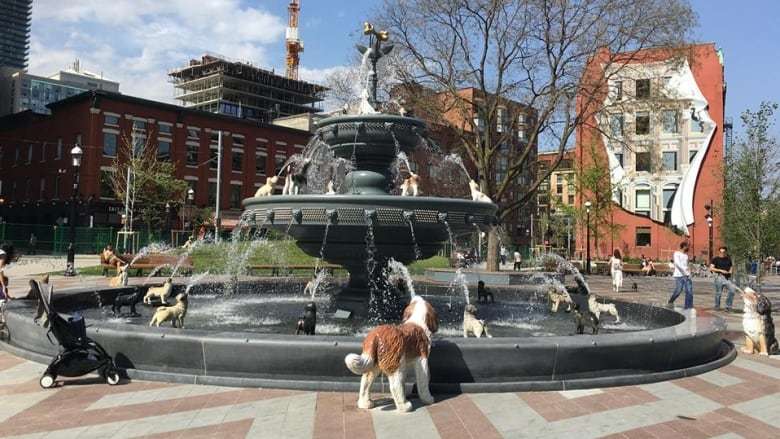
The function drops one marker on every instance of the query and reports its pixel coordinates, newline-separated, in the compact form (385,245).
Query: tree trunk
(492,250)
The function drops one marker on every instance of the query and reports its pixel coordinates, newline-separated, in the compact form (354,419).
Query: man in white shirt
(682,277)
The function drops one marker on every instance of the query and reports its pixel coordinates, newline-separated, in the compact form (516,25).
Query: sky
(136,42)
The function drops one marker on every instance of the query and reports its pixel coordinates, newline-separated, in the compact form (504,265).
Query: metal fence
(55,239)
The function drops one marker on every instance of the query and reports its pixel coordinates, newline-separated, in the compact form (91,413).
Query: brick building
(36,177)
(662,135)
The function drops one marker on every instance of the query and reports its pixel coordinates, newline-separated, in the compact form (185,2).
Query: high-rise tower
(15,16)
(293,44)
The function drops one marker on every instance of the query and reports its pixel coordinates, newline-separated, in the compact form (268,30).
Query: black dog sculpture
(634,286)
(308,323)
(585,318)
(484,293)
(129,299)
(764,309)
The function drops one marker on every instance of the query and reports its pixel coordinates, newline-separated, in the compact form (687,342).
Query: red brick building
(36,176)
(662,136)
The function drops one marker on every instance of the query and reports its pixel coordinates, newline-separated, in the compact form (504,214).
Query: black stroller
(79,355)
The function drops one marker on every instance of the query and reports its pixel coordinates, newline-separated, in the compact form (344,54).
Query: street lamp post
(76,153)
(190,199)
(708,217)
(168,220)
(587,234)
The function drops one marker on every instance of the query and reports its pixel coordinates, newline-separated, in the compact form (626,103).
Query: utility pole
(218,219)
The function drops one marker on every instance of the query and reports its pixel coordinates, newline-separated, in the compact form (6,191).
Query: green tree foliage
(751,202)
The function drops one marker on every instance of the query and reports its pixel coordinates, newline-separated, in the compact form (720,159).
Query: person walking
(502,253)
(723,268)
(518,260)
(33,243)
(682,277)
(616,270)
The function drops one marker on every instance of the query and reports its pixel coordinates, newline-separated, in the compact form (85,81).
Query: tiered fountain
(228,340)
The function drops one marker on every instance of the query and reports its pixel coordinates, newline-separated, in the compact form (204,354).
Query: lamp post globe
(587,236)
(76,155)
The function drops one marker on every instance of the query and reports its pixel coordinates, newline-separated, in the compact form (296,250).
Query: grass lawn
(215,258)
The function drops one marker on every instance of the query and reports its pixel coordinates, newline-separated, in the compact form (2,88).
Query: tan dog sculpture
(175,313)
(267,189)
(162,292)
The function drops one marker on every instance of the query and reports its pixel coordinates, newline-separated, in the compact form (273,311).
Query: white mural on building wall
(681,86)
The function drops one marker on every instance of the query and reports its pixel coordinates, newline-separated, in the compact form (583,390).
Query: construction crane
(292,42)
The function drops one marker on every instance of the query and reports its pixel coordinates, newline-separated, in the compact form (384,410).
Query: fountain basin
(687,344)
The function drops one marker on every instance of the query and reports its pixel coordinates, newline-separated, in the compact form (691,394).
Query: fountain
(239,330)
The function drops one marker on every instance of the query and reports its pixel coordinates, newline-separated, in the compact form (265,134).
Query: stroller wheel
(47,381)
(112,376)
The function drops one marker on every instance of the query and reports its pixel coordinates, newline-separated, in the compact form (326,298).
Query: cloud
(136,42)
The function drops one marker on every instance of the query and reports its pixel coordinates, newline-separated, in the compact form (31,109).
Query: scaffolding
(219,85)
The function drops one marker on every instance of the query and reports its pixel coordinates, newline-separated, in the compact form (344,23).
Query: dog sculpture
(634,287)
(585,318)
(296,177)
(410,186)
(130,299)
(330,189)
(162,292)
(484,293)
(311,287)
(473,325)
(757,324)
(175,313)
(597,308)
(120,280)
(389,349)
(476,194)
(267,189)
(558,296)
(307,324)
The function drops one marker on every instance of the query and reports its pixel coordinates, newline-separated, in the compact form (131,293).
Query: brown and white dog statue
(175,313)
(162,292)
(757,324)
(120,280)
(597,308)
(389,349)
(558,296)
(267,189)
(410,186)
(473,325)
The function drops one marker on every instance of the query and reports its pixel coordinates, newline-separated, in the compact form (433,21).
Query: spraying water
(398,269)
(455,159)
(318,280)
(365,106)
(459,281)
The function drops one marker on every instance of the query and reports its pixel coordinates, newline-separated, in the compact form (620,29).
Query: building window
(692,155)
(164,150)
(214,138)
(669,161)
(43,152)
(559,184)
(238,160)
(235,196)
(139,125)
(279,162)
(193,133)
(57,181)
(165,128)
(643,236)
(571,200)
(642,123)
(619,196)
(670,121)
(42,190)
(616,124)
(238,142)
(213,157)
(111,120)
(617,89)
(58,155)
(697,126)
(520,119)
(106,188)
(619,157)
(668,200)
(500,119)
(642,205)
(643,162)
(261,160)
(78,139)
(109,144)
(212,193)
(192,155)
(29,154)
(643,89)
(16,156)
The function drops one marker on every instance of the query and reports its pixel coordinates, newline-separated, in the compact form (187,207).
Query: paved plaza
(741,399)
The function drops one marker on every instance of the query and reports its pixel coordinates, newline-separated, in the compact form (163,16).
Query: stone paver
(741,400)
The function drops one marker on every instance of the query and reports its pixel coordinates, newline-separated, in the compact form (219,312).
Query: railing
(55,239)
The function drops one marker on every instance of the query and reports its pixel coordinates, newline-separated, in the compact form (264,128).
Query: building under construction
(218,85)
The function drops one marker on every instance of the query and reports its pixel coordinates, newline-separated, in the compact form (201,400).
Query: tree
(751,201)
(145,182)
(534,52)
